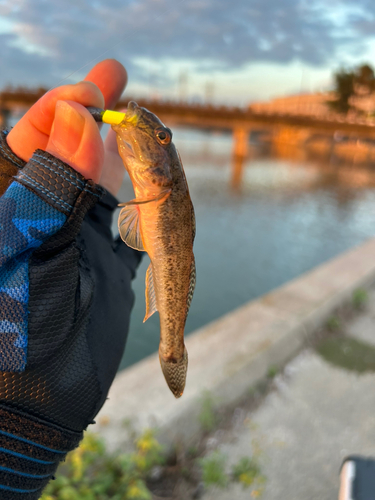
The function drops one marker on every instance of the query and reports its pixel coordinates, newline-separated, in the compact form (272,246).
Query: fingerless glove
(65,302)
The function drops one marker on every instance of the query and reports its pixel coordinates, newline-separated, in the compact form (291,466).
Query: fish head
(174,371)
(145,146)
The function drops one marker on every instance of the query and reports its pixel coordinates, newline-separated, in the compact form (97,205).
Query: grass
(213,470)
(333,323)
(247,472)
(360,298)
(207,416)
(90,473)
(272,371)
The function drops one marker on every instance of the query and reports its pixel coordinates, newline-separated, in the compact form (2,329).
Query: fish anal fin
(129,228)
(193,275)
(150,294)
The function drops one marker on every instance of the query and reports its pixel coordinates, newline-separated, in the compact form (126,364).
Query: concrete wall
(229,356)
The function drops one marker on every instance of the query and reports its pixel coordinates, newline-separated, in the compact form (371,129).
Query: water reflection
(289,216)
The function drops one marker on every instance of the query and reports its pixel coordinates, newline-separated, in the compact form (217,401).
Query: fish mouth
(131,116)
(127,148)
(132,107)
(132,113)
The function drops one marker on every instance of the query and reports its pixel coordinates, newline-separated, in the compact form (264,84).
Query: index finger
(33,129)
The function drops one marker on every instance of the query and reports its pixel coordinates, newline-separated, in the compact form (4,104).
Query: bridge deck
(206,116)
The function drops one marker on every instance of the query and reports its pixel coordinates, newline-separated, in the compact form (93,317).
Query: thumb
(75,139)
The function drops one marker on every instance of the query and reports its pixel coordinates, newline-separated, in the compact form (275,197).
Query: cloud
(48,42)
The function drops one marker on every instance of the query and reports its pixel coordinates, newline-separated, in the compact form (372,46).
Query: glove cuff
(30,451)
(57,183)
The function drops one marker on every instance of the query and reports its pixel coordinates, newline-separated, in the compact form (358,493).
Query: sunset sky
(235,51)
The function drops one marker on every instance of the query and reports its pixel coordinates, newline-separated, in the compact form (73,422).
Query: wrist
(30,451)
(57,183)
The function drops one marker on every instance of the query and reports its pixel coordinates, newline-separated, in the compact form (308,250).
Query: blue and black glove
(65,302)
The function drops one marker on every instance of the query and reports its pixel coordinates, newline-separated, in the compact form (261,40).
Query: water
(289,217)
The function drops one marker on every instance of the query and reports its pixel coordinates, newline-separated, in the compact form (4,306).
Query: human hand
(60,124)
(66,294)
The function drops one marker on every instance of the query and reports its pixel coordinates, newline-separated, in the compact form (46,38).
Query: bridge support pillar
(288,141)
(240,152)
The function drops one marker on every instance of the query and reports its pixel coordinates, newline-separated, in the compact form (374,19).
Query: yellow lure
(112,117)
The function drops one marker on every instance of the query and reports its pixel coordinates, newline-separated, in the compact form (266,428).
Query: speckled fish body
(160,220)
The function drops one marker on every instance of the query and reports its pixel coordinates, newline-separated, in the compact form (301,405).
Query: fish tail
(175,373)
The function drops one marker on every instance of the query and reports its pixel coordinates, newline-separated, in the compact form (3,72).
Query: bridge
(284,128)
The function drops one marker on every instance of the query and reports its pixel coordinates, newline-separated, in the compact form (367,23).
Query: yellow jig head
(106,115)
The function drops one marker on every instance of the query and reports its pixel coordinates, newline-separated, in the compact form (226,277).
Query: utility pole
(209,91)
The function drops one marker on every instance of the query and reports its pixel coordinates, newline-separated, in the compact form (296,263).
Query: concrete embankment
(231,355)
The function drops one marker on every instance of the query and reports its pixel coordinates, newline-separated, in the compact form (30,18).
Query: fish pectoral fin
(128,226)
(150,294)
(142,201)
(193,280)
(128,221)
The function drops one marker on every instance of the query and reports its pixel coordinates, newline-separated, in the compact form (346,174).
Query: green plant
(272,371)
(360,298)
(213,470)
(192,451)
(246,471)
(89,473)
(252,391)
(333,323)
(207,416)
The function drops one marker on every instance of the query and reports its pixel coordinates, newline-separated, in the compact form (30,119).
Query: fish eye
(163,135)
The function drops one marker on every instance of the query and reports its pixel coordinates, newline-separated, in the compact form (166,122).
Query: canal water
(290,216)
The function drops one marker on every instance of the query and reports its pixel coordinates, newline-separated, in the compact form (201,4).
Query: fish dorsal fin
(192,284)
(150,294)
(193,224)
(128,221)
(128,226)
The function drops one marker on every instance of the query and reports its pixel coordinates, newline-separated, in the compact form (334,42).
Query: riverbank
(228,357)
(320,411)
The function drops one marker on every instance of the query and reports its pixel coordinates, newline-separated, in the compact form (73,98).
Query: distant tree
(349,83)
(344,89)
(365,77)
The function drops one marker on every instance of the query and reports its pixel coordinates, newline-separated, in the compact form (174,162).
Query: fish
(160,220)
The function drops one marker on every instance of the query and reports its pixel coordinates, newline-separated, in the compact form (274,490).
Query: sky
(225,51)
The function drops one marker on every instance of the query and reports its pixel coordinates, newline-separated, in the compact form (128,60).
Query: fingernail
(67,129)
